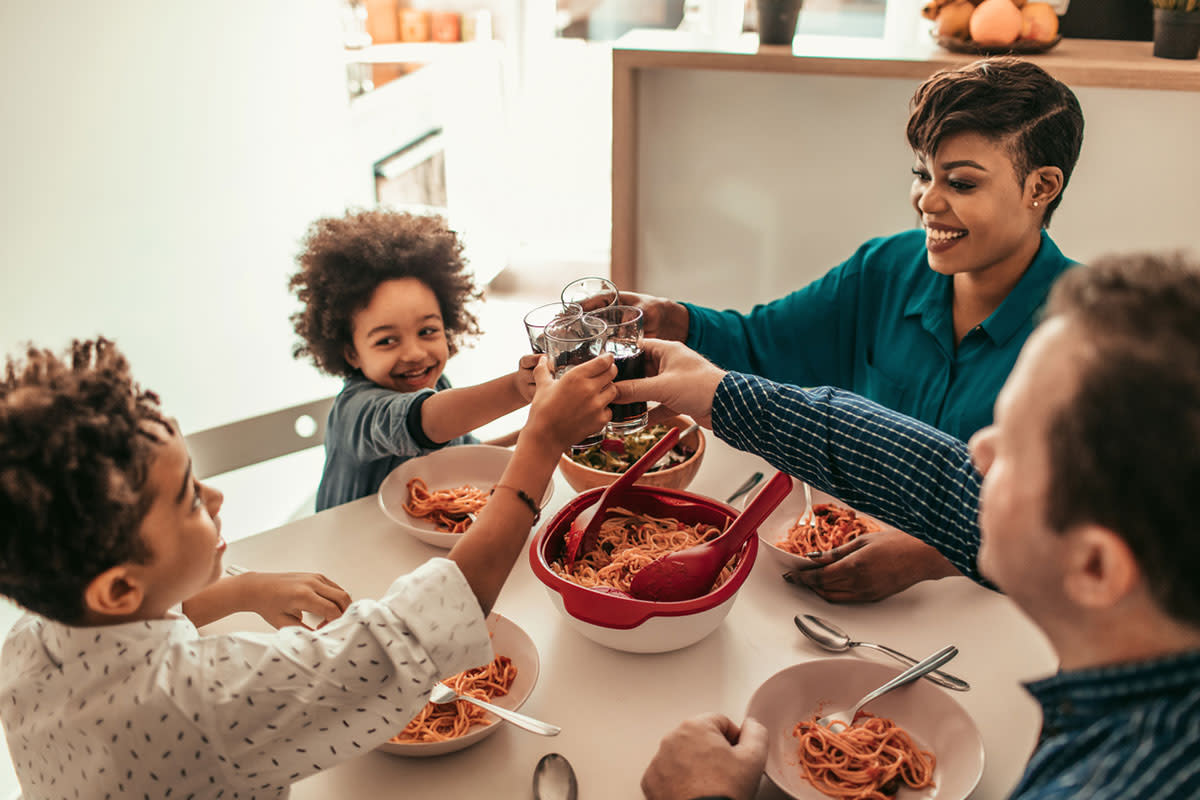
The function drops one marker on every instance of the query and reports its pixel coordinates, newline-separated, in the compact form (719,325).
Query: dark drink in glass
(549,314)
(624,341)
(631,363)
(570,342)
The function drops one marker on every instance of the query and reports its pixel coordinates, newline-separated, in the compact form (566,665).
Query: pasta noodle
(868,761)
(447,508)
(437,723)
(628,541)
(828,527)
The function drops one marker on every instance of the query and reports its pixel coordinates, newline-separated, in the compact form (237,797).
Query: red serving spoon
(690,573)
(581,538)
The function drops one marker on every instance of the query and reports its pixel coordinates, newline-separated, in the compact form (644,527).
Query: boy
(106,692)
(385,306)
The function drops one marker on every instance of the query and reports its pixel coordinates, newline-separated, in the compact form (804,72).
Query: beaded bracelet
(525,498)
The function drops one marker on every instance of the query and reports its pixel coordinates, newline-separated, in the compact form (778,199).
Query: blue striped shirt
(1126,731)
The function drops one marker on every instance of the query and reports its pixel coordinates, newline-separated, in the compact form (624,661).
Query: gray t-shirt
(371,431)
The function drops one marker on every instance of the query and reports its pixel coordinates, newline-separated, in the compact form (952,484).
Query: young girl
(385,306)
(927,322)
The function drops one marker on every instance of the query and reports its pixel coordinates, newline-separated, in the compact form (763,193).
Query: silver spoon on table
(831,637)
(442,693)
(554,779)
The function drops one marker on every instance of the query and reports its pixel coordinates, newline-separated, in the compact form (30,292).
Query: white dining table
(613,706)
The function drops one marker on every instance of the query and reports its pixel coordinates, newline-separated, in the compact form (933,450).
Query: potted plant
(1176,28)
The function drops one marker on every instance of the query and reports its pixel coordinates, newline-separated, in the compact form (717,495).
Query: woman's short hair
(1015,102)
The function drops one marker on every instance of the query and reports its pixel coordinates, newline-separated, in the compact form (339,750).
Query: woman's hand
(871,567)
(281,598)
(708,756)
(661,318)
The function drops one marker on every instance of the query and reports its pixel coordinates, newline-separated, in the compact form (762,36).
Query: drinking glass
(591,293)
(624,341)
(570,342)
(537,320)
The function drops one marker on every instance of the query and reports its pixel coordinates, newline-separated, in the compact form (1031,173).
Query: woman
(929,321)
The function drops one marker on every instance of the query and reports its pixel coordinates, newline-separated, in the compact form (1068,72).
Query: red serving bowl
(617,620)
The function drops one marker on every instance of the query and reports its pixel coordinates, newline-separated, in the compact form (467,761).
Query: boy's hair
(346,258)
(76,442)
(1014,102)
(1125,452)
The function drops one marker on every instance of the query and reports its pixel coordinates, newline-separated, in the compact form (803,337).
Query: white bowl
(932,717)
(478,465)
(508,639)
(775,527)
(656,634)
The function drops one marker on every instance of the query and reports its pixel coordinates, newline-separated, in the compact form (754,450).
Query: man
(1081,510)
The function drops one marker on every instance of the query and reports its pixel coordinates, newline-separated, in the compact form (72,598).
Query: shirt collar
(1079,697)
(64,643)
(932,299)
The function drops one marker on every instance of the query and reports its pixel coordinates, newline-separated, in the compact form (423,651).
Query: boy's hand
(573,406)
(281,598)
(679,378)
(523,377)
(708,756)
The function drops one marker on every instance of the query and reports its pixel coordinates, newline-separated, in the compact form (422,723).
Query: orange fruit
(1039,23)
(953,19)
(995,23)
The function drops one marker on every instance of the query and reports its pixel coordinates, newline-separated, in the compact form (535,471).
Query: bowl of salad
(601,464)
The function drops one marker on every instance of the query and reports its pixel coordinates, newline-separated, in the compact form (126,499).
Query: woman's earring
(1035,203)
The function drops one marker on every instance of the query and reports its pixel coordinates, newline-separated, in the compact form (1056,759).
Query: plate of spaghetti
(435,497)
(794,529)
(914,743)
(507,681)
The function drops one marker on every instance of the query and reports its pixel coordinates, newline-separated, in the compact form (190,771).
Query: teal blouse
(880,325)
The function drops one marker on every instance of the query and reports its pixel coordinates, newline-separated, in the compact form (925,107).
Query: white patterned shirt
(154,710)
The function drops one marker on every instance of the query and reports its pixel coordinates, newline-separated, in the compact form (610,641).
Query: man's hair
(346,258)
(1013,102)
(76,442)
(1125,452)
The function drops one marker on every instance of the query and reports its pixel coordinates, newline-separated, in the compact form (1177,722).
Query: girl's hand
(523,377)
(281,598)
(573,406)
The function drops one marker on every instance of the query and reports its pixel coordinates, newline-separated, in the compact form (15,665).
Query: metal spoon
(831,637)
(750,483)
(846,716)
(554,779)
(444,694)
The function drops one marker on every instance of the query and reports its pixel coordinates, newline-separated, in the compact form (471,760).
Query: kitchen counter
(715,154)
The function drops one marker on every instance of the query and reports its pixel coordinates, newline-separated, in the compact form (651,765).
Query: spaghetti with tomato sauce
(870,760)
(828,526)
(437,723)
(446,508)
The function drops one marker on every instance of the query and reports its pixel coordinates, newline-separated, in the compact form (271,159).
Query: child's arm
(278,597)
(564,411)
(451,413)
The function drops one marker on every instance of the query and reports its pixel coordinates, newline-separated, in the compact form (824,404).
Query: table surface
(614,707)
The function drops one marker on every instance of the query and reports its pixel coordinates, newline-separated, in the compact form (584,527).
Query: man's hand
(708,755)
(871,567)
(680,379)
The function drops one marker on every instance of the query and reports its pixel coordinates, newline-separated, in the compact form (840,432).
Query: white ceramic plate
(776,526)
(478,465)
(508,639)
(934,719)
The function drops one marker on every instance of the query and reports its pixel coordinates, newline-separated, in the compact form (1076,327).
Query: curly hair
(1125,452)
(346,258)
(1008,100)
(76,445)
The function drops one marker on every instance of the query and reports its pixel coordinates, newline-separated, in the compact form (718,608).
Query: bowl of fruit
(993,27)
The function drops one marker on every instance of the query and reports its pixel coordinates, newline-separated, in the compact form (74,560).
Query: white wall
(751,185)
(160,162)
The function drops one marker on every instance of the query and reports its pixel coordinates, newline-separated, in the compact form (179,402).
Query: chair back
(253,440)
